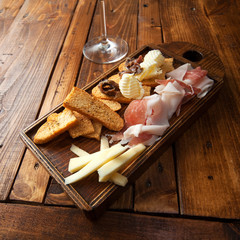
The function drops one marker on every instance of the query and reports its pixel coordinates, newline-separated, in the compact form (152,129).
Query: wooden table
(192,191)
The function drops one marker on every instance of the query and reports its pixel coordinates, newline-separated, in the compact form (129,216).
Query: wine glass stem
(104,27)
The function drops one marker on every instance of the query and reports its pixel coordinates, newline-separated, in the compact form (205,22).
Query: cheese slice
(96,163)
(151,65)
(77,163)
(78,151)
(113,166)
(118,179)
(104,144)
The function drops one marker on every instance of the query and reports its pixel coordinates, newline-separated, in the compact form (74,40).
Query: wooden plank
(155,191)
(208,153)
(149,24)
(37,222)
(63,79)
(56,195)
(28,53)
(125,201)
(28,186)
(8,12)
(121,17)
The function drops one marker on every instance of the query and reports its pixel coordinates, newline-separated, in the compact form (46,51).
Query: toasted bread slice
(167,65)
(97,130)
(83,127)
(88,128)
(82,102)
(56,124)
(114,105)
(116,78)
(122,67)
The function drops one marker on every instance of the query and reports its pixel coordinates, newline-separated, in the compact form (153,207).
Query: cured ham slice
(136,113)
(144,138)
(172,95)
(195,77)
(179,72)
(156,111)
(186,89)
(205,85)
(153,113)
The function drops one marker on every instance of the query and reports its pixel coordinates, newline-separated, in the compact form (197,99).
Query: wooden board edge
(79,201)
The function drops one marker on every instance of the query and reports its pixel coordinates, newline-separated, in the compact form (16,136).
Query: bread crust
(82,102)
(97,130)
(83,127)
(56,124)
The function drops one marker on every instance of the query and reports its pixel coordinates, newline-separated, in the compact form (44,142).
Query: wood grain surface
(26,65)
(113,225)
(8,12)
(62,80)
(190,192)
(204,153)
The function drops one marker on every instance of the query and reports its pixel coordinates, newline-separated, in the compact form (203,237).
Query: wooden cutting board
(89,194)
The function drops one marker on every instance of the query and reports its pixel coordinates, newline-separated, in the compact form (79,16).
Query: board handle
(199,56)
(188,51)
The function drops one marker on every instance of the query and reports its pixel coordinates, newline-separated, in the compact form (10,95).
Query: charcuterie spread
(151,91)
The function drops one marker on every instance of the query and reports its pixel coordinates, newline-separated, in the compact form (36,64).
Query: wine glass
(105,49)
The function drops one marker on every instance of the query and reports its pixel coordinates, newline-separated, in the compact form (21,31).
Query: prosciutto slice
(152,113)
(197,78)
(136,113)
(188,91)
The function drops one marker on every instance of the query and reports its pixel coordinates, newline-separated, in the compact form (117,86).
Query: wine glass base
(111,50)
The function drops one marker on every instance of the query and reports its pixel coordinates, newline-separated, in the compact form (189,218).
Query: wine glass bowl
(105,49)
(109,50)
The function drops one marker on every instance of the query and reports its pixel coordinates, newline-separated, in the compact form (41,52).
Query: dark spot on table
(36,166)
(148,183)
(209,144)
(210,177)
(160,167)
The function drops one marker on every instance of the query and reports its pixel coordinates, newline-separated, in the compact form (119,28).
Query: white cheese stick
(96,163)
(104,144)
(114,165)
(78,151)
(77,163)
(118,179)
